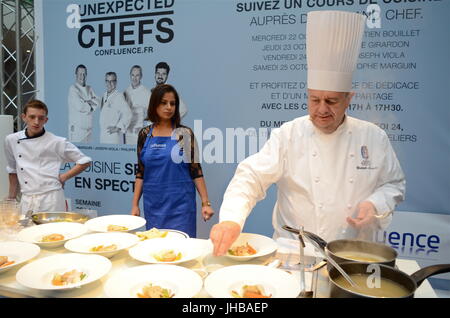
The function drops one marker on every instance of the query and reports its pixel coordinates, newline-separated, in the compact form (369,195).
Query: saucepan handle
(428,271)
(290,229)
(322,243)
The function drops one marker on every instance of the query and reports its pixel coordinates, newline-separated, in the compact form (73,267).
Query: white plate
(171,234)
(34,234)
(39,274)
(189,248)
(19,252)
(175,234)
(100,224)
(262,244)
(276,282)
(84,243)
(182,282)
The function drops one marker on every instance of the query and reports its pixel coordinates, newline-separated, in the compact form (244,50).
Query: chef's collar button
(26,182)
(351,180)
(20,156)
(349,206)
(18,142)
(320,206)
(352,155)
(21,168)
(314,154)
(317,179)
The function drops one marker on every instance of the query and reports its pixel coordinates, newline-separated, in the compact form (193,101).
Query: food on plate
(152,233)
(155,291)
(52,238)
(113,227)
(167,256)
(242,250)
(4,261)
(103,248)
(251,291)
(71,277)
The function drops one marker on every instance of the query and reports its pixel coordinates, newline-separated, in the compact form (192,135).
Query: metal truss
(17,56)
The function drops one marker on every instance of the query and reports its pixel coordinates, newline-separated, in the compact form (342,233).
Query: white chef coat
(80,112)
(321,178)
(37,161)
(138,99)
(116,113)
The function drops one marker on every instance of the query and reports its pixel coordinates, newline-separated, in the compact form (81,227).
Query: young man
(34,157)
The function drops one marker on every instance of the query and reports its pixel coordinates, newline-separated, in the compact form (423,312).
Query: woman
(167,171)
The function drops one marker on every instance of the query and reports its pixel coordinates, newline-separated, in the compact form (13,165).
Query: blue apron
(169,192)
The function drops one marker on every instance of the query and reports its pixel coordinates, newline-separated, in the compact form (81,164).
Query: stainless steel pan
(386,255)
(409,282)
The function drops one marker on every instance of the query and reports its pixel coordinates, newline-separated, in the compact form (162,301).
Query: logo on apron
(159,146)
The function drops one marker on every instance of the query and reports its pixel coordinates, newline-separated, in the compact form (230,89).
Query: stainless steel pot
(408,282)
(386,254)
(51,217)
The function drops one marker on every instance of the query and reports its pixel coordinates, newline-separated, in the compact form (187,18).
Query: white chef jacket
(138,99)
(115,112)
(37,161)
(321,178)
(80,112)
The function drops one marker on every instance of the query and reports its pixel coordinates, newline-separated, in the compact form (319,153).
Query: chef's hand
(135,211)
(112,129)
(365,217)
(223,235)
(62,179)
(207,212)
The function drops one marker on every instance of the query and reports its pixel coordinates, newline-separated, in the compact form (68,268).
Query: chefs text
(137,21)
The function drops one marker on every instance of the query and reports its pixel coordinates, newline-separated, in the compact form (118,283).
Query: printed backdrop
(240,68)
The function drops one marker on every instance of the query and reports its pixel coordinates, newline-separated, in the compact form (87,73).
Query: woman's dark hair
(155,100)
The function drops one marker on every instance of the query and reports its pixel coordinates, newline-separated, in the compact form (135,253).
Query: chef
(334,173)
(137,97)
(82,103)
(162,70)
(34,157)
(115,114)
